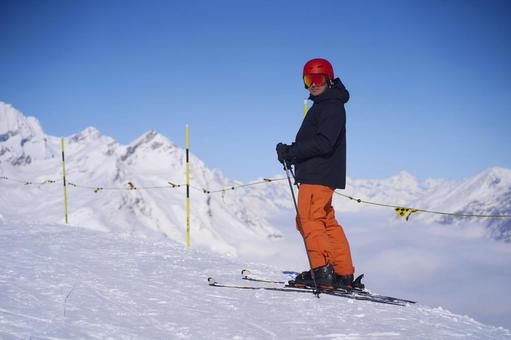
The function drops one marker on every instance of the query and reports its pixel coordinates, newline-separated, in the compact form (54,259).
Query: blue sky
(430,81)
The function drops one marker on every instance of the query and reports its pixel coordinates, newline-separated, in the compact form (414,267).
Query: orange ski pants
(324,236)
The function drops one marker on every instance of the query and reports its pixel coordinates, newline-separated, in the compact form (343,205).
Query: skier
(319,157)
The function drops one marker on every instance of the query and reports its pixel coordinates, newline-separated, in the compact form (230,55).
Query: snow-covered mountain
(94,160)
(488,192)
(22,139)
(219,221)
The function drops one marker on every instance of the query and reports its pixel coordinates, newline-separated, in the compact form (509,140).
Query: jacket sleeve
(330,124)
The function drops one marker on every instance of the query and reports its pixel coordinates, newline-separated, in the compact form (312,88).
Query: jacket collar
(336,91)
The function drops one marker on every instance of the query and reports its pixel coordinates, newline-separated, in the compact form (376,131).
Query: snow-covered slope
(66,283)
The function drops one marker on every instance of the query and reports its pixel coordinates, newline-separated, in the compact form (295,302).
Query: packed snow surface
(62,282)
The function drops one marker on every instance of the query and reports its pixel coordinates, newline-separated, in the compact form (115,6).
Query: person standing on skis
(319,157)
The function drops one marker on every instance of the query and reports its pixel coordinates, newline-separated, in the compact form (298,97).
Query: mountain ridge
(152,159)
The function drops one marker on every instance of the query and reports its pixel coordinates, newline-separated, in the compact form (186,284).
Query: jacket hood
(336,91)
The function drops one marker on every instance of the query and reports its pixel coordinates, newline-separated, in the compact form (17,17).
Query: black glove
(281,152)
(286,153)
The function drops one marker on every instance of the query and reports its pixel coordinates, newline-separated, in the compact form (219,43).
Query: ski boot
(348,282)
(325,278)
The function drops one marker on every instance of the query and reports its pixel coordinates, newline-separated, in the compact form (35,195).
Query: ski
(247,275)
(364,293)
(341,293)
(213,283)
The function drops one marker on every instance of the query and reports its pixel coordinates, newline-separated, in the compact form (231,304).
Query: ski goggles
(318,79)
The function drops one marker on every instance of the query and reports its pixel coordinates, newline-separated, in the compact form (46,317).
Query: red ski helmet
(318,66)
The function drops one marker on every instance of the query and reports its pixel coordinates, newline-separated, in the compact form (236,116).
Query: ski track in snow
(60,282)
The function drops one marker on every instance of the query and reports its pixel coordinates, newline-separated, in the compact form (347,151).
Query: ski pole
(299,224)
(64,178)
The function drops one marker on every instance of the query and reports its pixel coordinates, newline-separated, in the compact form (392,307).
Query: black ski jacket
(320,144)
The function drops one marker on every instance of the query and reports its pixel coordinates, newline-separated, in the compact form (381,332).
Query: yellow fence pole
(64,177)
(187,186)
